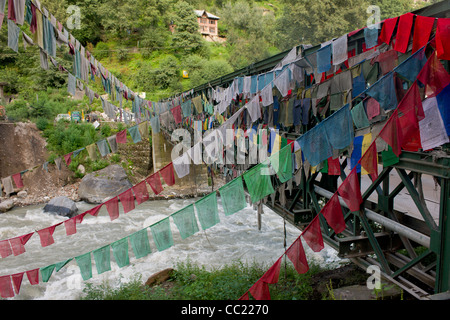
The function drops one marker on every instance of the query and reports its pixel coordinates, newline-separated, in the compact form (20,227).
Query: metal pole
(385,222)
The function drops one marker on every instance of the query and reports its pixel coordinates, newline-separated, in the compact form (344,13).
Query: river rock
(159,277)
(6,205)
(62,206)
(99,186)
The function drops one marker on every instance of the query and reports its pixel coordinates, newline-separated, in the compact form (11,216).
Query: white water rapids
(235,237)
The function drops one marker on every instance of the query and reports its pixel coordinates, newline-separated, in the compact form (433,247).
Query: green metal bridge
(404,224)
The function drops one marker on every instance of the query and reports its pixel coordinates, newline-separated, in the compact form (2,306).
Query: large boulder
(99,186)
(62,206)
(6,205)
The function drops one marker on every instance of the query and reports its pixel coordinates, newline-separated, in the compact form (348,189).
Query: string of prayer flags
(207,211)
(185,221)
(162,234)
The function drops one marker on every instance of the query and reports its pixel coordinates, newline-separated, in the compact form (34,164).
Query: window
(212,30)
(212,22)
(203,20)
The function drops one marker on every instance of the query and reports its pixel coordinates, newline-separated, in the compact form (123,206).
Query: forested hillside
(132,39)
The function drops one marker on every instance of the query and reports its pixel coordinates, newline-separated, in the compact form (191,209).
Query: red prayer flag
(141,192)
(391,134)
(271,275)
(70,224)
(349,190)
(17,281)
(33,276)
(334,167)
(176,112)
(434,76)
(18,243)
(387,30)
(112,206)
(404,27)
(313,235)
(332,212)
(5,248)
(127,200)
(297,255)
(443,38)
(121,137)
(260,290)
(244,296)
(422,31)
(155,183)
(369,161)
(18,180)
(6,289)
(94,211)
(68,158)
(46,236)
(168,175)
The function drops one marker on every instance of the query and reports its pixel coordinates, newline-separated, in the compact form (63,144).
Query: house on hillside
(208,23)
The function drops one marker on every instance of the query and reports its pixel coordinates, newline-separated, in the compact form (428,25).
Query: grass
(192,282)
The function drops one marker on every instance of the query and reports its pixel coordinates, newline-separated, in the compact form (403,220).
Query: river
(234,238)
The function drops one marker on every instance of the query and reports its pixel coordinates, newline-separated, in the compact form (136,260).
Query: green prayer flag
(185,221)
(120,252)
(103,147)
(162,234)
(61,264)
(282,163)
(46,272)
(233,196)
(140,244)
(389,158)
(258,182)
(102,259)
(359,116)
(207,211)
(85,265)
(134,133)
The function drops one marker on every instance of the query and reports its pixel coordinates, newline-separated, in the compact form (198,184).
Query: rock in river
(104,184)
(62,206)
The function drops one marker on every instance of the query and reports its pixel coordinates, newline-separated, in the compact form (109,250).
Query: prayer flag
(186,222)
(141,193)
(68,158)
(102,259)
(120,252)
(46,272)
(260,290)
(127,200)
(85,264)
(112,206)
(434,76)
(18,243)
(33,276)
(207,210)
(6,289)
(388,29)
(332,212)
(350,191)
(155,183)
(443,38)
(297,255)
(46,236)
(176,112)
(233,196)
(422,30)
(162,234)
(369,161)
(404,27)
(271,276)
(313,235)
(17,281)
(168,175)
(140,244)
(121,137)
(258,182)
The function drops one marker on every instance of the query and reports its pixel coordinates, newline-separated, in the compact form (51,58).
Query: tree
(186,38)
